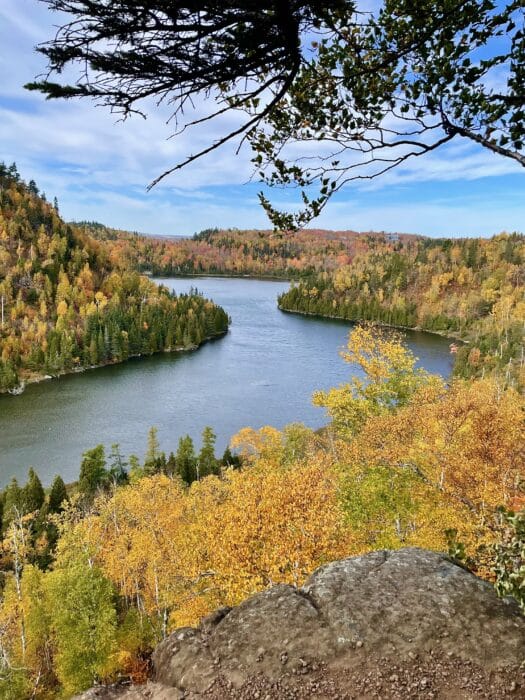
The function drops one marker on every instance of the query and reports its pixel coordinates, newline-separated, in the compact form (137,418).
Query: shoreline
(38,379)
(220,275)
(450,335)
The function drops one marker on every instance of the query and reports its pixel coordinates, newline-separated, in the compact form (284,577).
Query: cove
(263,372)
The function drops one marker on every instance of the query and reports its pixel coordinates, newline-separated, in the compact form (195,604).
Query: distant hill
(65,306)
(241,252)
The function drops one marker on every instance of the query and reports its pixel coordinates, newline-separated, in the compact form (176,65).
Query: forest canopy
(369,89)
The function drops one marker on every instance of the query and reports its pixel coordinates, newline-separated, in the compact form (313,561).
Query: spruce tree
(57,495)
(93,472)
(13,500)
(152,452)
(117,466)
(171,464)
(207,462)
(230,460)
(33,493)
(186,461)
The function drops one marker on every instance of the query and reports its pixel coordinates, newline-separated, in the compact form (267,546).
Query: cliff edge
(390,624)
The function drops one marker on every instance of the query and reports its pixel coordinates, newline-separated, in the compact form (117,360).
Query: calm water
(262,373)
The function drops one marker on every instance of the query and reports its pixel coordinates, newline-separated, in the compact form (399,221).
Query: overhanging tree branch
(375,88)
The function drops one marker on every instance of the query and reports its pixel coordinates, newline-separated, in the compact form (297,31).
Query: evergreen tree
(93,472)
(152,452)
(117,466)
(33,496)
(13,500)
(32,187)
(171,464)
(135,470)
(230,460)
(207,462)
(161,463)
(186,460)
(57,495)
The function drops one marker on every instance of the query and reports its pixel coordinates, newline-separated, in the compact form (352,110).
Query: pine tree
(230,460)
(33,496)
(136,471)
(152,452)
(93,472)
(171,464)
(186,460)
(57,495)
(13,500)
(207,463)
(117,466)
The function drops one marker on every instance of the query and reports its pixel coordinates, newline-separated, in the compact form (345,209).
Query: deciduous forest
(95,573)
(231,252)
(471,289)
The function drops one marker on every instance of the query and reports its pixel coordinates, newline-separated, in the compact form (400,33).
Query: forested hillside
(64,305)
(237,252)
(95,574)
(473,289)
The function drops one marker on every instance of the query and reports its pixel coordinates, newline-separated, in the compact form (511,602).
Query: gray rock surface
(400,604)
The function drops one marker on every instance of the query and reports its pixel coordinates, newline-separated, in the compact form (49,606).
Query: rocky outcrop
(392,607)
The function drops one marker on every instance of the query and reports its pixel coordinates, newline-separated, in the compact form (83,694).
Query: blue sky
(98,168)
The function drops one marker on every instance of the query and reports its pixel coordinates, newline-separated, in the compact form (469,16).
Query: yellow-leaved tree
(176,553)
(421,462)
(387,379)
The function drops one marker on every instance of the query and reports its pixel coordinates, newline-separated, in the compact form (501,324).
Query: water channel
(262,372)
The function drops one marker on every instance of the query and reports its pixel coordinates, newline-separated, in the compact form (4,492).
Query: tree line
(281,254)
(471,289)
(101,472)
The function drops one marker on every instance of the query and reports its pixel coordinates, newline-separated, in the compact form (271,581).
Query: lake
(263,372)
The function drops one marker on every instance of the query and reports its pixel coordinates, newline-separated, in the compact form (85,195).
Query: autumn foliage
(471,289)
(94,574)
(65,306)
(232,251)
(405,460)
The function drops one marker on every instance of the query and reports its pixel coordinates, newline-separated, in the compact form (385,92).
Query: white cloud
(26,17)
(169,215)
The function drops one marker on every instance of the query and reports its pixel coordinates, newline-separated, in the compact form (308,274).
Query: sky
(99,167)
